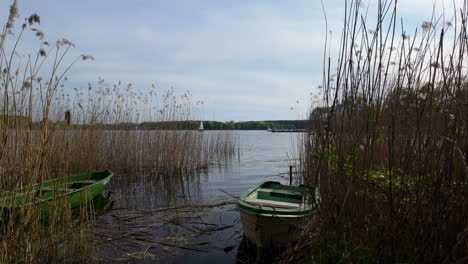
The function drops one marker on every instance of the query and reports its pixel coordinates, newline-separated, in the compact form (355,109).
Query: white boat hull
(271,231)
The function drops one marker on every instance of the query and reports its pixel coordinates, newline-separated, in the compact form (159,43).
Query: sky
(246,60)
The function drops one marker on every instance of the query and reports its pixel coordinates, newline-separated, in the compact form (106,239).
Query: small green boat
(73,190)
(272,213)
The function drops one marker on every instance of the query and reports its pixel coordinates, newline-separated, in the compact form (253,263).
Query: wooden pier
(285,130)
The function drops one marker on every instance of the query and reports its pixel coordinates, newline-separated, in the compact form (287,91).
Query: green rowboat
(73,190)
(272,213)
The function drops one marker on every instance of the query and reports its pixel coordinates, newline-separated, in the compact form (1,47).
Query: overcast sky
(247,60)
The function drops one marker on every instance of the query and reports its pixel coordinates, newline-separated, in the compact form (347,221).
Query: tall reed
(49,129)
(389,143)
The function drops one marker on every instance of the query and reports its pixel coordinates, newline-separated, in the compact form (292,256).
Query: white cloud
(261,56)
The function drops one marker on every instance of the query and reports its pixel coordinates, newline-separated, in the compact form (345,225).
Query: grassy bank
(48,130)
(390,147)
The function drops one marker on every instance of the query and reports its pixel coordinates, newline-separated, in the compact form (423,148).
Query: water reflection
(148,189)
(156,217)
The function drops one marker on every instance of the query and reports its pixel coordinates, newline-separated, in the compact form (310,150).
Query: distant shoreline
(275,125)
(216,125)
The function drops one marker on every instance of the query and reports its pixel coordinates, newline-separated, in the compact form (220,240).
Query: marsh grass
(389,145)
(49,130)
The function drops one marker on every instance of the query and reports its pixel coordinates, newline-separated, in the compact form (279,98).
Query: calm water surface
(138,228)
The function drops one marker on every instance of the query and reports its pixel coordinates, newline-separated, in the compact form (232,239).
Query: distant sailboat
(201,127)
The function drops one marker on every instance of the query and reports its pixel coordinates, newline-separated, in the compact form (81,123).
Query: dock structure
(286,130)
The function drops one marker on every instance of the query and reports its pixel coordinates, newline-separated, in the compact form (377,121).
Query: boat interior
(275,194)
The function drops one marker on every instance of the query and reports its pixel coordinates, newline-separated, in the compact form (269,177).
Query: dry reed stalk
(389,145)
(37,144)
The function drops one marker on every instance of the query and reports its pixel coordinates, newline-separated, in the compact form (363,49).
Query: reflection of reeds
(153,234)
(36,143)
(389,146)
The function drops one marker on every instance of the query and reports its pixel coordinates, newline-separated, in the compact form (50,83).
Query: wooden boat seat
(87,181)
(61,187)
(271,203)
(66,186)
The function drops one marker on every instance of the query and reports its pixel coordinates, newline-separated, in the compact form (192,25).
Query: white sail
(201,127)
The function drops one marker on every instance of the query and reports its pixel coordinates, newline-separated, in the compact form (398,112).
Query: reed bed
(389,143)
(49,129)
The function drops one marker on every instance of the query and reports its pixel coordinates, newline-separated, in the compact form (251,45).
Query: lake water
(149,220)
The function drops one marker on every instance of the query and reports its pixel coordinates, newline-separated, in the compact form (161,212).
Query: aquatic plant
(389,142)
